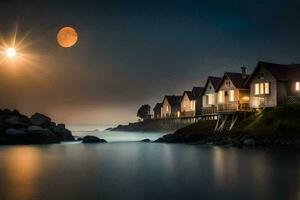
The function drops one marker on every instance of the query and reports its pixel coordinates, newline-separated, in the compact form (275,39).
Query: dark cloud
(133,52)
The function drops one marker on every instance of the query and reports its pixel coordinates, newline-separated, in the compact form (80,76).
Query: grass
(282,121)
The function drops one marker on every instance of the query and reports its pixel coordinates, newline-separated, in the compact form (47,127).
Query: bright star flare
(11,52)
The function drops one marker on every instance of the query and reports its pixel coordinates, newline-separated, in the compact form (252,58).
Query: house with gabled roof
(273,84)
(209,95)
(171,106)
(191,102)
(157,111)
(233,92)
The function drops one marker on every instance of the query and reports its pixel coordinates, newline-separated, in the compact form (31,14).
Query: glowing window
(221,97)
(267,88)
(297,86)
(167,108)
(256,89)
(261,88)
(211,99)
(231,95)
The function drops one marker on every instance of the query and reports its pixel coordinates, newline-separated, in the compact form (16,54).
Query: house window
(167,108)
(227,83)
(256,89)
(221,97)
(210,99)
(192,105)
(231,95)
(262,88)
(297,86)
(267,88)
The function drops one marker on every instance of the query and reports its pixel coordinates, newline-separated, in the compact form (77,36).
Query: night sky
(134,52)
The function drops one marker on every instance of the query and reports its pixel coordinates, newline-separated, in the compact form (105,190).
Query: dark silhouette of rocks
(16,128)
(93,139)
(40,120)
(146,140)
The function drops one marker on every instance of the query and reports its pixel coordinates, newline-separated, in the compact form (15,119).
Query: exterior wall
(157,113)
(175,111)
(165,109)
(188,106)
(226,87)
(209,90)
(240,100)
(198,105)
(265,100)
(169,111)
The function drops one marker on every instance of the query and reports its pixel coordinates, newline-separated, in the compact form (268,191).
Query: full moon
(67,37)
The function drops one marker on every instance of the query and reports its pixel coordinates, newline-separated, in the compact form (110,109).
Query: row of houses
(269,85)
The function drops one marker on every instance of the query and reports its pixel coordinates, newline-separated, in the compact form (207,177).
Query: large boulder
(15,121)
(42,135)
(62,133)
(16,136)
(39,119)
(249,142)
(93,139)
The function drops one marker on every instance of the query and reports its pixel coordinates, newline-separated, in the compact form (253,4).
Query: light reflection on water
(146,171)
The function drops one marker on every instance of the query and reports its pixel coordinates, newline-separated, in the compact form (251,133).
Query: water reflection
(146,171)
(21,167)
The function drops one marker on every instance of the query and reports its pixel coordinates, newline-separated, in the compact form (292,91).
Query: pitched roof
(237,80)
(194,94)
(157,106)
(281,72)
(173,100)
(214,81)
(197,91)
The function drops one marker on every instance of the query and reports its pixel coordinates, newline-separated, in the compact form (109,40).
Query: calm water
(133,170)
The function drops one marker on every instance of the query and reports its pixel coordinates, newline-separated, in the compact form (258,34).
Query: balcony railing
(233,107)
(289,100)
(209,110)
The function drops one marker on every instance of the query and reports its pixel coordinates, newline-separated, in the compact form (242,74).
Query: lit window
(231,95)
(210,99)
(167,108)
(192,105)
(221,96)
(297,86)
(256,91)
(267,88)
(261,88)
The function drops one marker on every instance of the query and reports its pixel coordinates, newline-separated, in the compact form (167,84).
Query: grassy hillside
(282,121)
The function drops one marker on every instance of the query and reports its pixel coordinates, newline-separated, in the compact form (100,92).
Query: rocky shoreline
(147,126)
(16,128)
(245,141)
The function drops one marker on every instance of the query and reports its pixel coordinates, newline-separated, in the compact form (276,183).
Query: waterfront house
(273,84)
(209,95)
(171,106)
(157,111)
(233,92)
(191,102)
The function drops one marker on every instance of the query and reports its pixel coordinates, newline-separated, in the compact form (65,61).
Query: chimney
(244,73)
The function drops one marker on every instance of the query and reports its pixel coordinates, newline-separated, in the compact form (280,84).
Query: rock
(15,136)
(93,139)
(62,133)
(15,121)
(249,142)
(40,135)
(77,138)
(40,120)
(146,140)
